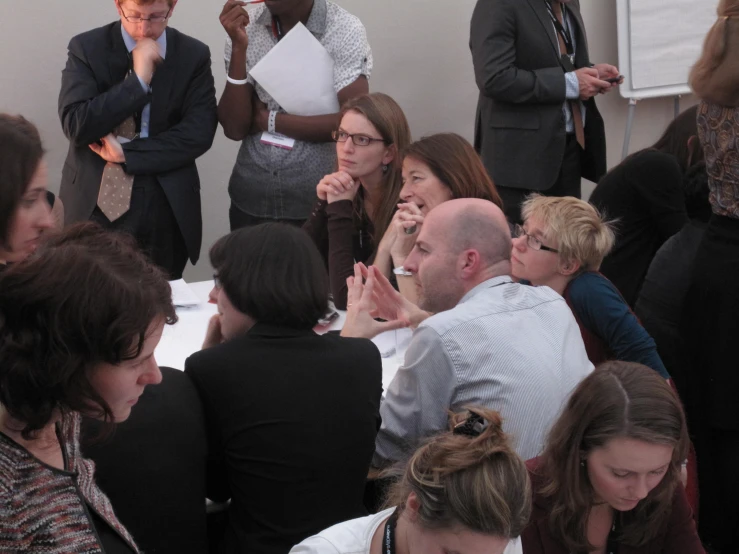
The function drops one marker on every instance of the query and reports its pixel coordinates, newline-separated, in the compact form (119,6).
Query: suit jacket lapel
(118,63)
(542,14)
(161,85)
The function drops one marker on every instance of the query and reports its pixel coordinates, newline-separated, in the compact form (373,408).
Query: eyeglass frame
(335,137)
(137,20)
(519,231)
(217,283)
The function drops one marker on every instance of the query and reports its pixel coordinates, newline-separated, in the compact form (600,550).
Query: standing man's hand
(590,82)
(110,149)
(234,19)
(146,56)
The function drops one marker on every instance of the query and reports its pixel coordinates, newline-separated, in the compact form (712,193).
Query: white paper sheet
(666,39)
(299,74)
(182,294)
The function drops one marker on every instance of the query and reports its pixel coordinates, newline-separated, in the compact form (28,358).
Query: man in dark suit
(537,126)
(138,105)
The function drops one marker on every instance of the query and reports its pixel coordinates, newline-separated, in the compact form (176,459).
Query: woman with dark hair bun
(464,491)
(291,415)
(609,478)
(79,322)
(24,211)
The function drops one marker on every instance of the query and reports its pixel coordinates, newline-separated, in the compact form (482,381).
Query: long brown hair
(619,399)
(388,118)
(478,482)
(455,163)
(715,76)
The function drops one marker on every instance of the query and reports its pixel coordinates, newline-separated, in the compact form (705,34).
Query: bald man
(491,342)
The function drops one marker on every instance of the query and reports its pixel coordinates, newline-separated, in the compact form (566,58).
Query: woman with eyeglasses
(356,203)
(464,491)
(608,481)
(561,245)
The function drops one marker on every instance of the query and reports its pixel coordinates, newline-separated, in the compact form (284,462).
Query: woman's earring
(385,168)
(582,463)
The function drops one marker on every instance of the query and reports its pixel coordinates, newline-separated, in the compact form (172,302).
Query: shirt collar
(131,43)
(490,283)
(316,23)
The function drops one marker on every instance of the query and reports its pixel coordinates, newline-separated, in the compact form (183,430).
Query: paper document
(299,74)
(182,294)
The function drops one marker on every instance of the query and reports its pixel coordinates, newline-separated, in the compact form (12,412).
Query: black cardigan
(292,418)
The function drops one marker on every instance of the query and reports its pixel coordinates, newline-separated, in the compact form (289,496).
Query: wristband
(272,122)
(237,81)
(402,271)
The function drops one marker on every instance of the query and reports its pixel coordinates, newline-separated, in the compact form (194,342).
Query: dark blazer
(97,94)
(153,467)
(678,534)
(520,127)
(292,418)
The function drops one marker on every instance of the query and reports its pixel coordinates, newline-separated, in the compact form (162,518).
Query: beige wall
(421,58)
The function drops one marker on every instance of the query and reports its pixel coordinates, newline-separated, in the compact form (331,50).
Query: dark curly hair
(86,297)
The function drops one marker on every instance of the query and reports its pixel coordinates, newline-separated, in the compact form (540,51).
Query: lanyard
(388,539)
(563,30)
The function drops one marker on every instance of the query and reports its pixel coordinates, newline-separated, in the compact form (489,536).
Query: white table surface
(186,336)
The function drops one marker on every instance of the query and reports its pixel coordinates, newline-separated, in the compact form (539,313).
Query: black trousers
(152,223)
(568,183)
(239,218)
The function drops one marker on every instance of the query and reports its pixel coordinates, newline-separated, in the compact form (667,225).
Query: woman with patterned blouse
(79,322)
(711,313)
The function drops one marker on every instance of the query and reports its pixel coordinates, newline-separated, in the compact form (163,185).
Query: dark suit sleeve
(217,486)
(189,139)
(86,114)
(493,36)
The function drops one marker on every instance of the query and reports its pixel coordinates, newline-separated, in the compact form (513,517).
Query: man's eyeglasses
(532,242)
(154,19)
(357,140)
(217,281)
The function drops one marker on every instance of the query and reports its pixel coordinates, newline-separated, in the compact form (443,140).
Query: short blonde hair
(582,233)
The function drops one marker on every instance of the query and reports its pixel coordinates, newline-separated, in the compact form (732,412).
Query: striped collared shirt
(510,347)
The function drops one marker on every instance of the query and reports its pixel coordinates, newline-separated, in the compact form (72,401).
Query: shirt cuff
(572,90)
(144,86)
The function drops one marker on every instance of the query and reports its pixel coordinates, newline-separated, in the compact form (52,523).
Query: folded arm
(86,114)
(187,140)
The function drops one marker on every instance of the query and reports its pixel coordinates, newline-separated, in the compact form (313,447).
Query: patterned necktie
(116,186)
(574,104)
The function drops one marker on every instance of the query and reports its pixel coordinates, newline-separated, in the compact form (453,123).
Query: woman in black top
(291,416)
(644,194)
